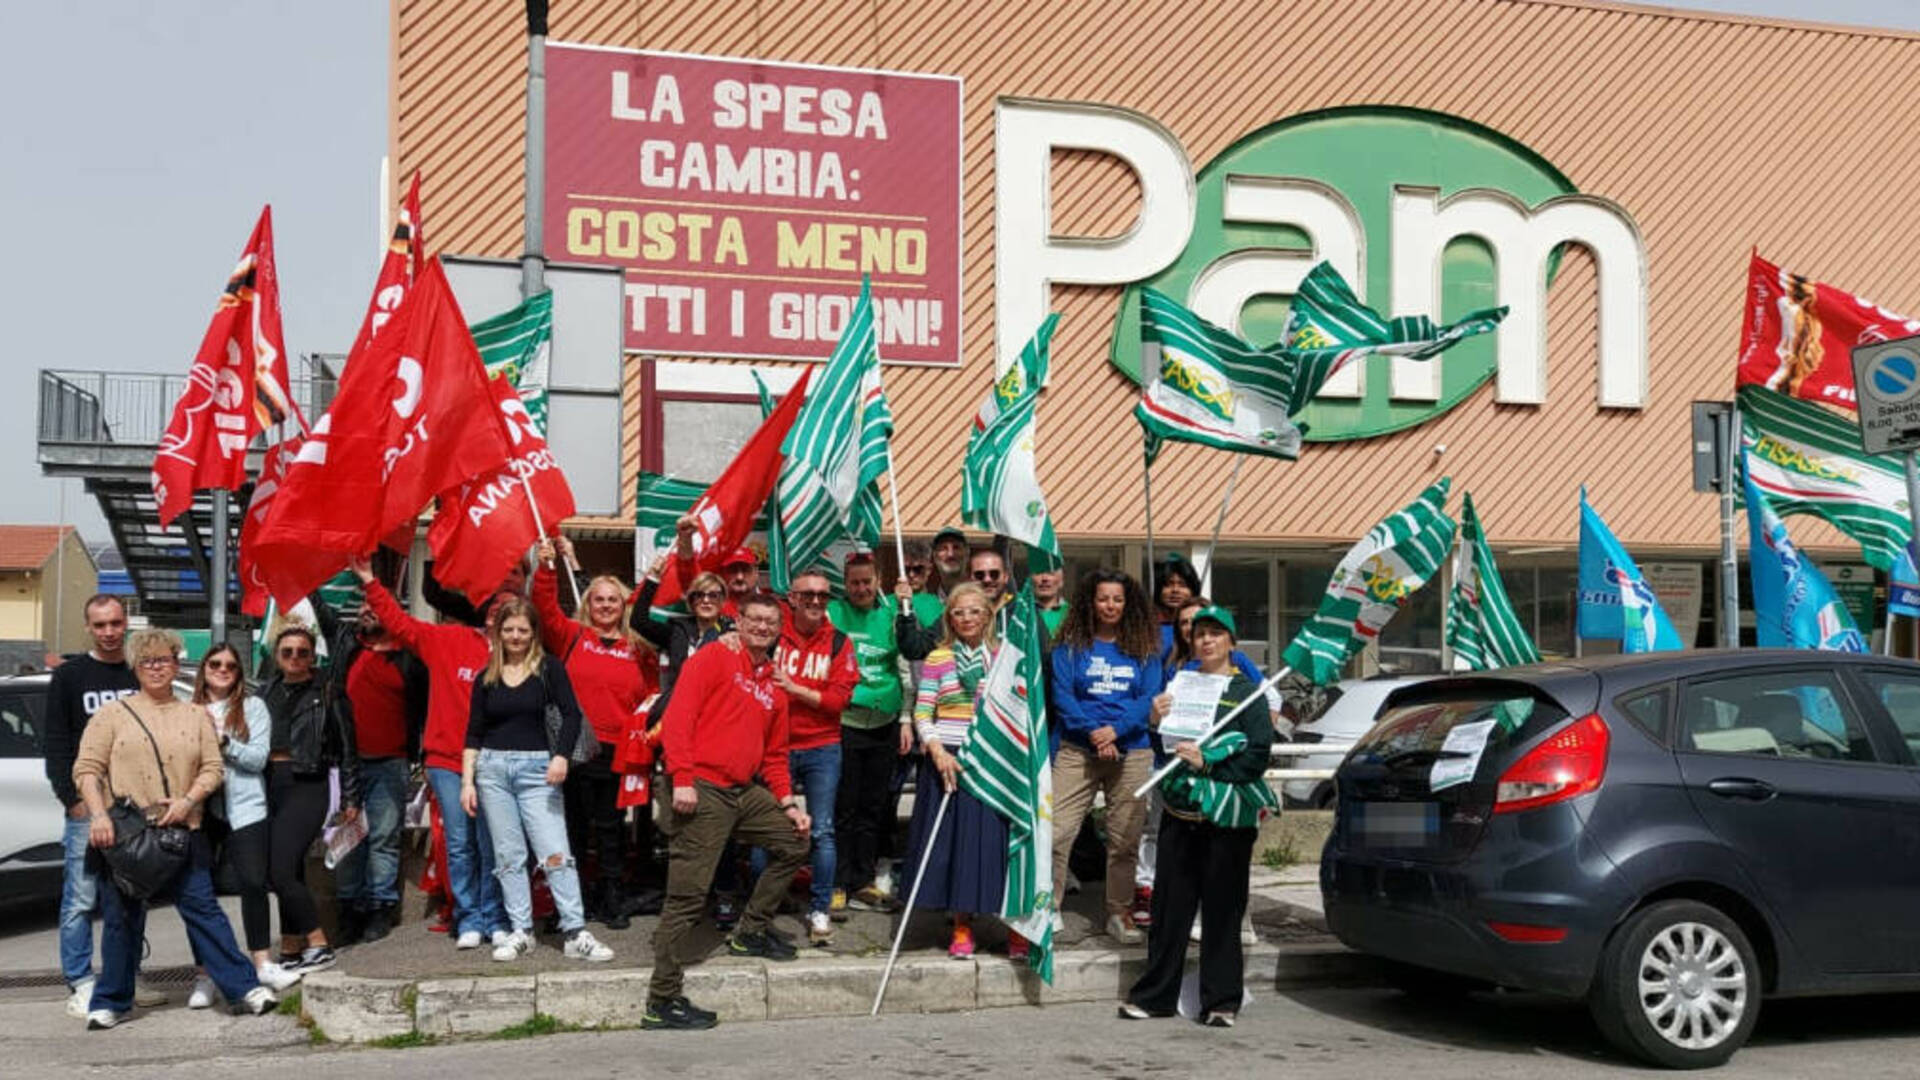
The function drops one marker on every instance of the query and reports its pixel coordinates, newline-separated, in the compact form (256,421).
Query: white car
(1338,728)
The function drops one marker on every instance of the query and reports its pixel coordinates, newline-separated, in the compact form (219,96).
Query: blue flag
(1794,606)
(1616,603)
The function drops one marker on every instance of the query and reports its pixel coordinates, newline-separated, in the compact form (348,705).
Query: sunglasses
(296,654)
(986,575)
(918,568)
(706,594)
(221,665)
(157,661)
(811,596)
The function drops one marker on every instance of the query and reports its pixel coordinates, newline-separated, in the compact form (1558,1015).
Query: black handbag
(586,747)
(145,858)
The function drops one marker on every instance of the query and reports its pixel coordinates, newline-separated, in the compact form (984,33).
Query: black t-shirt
(79,688)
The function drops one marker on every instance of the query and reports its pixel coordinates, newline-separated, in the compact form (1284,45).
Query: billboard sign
(743,200)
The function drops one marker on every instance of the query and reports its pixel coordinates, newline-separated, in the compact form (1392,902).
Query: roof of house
(29,547)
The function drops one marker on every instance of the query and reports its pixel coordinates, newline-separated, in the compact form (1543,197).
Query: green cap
(1219,615)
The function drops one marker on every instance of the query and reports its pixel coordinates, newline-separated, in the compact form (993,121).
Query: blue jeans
(817,773)
(369,877)
(524,813)
(476,895)
(123,927)
(79,895)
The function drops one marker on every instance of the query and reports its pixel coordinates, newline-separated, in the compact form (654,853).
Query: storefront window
(1305,582)
(1410,643)
(1242,588)
(1553,618)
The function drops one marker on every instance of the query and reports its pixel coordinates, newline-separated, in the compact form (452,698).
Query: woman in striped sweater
(966,860)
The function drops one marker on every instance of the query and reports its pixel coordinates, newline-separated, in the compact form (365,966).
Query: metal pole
(913,894)
(217,588)
(1220,519)
(1147,478)
(899,531)
(1729,423)
(1886,641)
(1913,511)
(58,644)
(533,259)
(1259,695)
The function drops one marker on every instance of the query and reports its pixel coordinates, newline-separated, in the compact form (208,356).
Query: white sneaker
(102,1019)
(276,978)
(499,937)
(148,997)
(583,946)
(203,994)
(819,927)
(1194,934)
(516,945)
(258,1001)
(1247,936)
(80,1002)
(468,939)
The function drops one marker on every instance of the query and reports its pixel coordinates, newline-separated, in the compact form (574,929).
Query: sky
(142,139)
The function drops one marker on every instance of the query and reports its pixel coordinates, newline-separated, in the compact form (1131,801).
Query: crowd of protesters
(781,728)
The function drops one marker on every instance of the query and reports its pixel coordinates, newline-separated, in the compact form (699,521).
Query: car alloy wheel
(1693,985)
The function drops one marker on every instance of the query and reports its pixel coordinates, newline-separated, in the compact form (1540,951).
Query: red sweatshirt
(606,673)
(455,656)
(727,722)
(814,662)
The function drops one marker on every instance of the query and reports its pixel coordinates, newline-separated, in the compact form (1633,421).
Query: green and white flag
(660,502)
(1808,460)
(835,454)
(1203,384)
(1004,765)
(516,343)
(999,489)
(1483,629)
(1371,583)
(1328,327)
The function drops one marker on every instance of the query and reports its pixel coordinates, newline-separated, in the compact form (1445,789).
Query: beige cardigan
(113,748)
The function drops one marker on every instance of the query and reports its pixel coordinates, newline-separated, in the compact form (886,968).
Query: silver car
(1350,716)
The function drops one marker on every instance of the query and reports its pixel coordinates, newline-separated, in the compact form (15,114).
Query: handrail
(131,409)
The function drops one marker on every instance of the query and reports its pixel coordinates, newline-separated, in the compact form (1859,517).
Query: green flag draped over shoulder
(1203,384)
(1483,630)
(516,343)
(999,489)
(1004,765)
(1328,327)
(1371,583)
(830,482)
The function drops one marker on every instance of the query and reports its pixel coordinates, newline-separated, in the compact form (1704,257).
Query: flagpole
(906,913)
(899,532)
(1221,519)
(1146,473)
(540,530)
(1729,556)
(1259,695)
(1886,641)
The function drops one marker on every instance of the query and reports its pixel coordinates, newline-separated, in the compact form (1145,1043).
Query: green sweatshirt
(876,649)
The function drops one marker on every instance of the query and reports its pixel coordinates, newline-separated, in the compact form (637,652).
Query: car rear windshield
(1421,730)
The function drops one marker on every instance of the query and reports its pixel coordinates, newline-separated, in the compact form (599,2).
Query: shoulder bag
(586,746)
(145,858)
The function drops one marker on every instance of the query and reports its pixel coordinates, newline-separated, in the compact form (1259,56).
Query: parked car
(1670,837)
(1355,705)
(31,859)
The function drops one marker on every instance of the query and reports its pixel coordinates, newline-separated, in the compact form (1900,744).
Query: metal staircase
(104,428)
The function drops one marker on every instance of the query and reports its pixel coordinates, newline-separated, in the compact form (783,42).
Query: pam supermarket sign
(1382,192)
(745,199)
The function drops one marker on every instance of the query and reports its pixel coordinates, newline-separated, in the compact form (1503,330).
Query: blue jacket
(1101,687)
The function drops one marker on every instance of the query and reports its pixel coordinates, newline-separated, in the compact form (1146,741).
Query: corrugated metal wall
(1716,134)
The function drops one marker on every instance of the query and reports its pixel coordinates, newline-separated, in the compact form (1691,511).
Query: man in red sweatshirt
(725,741)
(454,656)
(817,667)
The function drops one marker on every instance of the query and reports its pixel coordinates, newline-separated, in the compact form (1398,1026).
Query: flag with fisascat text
(1203,384)
(1794,605)
(1371,583)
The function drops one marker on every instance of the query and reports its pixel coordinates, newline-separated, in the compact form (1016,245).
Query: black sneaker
(643,902)
(764,944)
(291,961)
(379,924)
(676,1014)
(314,958)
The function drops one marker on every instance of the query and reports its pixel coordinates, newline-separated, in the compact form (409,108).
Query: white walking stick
(906,913)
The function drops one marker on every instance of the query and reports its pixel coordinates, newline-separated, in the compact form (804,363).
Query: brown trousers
(748,815)
(1077,774)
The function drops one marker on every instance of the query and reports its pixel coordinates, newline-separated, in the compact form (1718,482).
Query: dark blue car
(1670,837)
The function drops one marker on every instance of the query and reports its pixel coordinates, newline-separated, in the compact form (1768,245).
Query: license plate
(1399,824)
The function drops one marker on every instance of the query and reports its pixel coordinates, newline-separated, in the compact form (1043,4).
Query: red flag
(288,572)
(397,272)
(237,385)
(1799,335)
(723,516)
(413,417)
(486,526)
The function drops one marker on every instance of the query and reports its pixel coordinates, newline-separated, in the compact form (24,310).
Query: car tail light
(1569,764)
(1528,934)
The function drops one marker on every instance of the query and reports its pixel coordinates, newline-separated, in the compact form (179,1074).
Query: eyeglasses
(706,594)
(969,612)
(986,575)
(810,596)
(761,622)
(157,661)
(221,665)
(296,654)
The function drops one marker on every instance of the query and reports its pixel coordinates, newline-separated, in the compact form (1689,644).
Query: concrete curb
(353,1009)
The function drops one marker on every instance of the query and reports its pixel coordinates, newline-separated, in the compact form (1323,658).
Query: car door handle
(1741,788)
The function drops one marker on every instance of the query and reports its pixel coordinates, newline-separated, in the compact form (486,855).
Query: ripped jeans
(526,815)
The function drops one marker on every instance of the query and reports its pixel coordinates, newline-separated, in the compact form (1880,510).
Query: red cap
(741,555)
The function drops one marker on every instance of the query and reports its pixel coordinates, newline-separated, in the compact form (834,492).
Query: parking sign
(1886,377)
